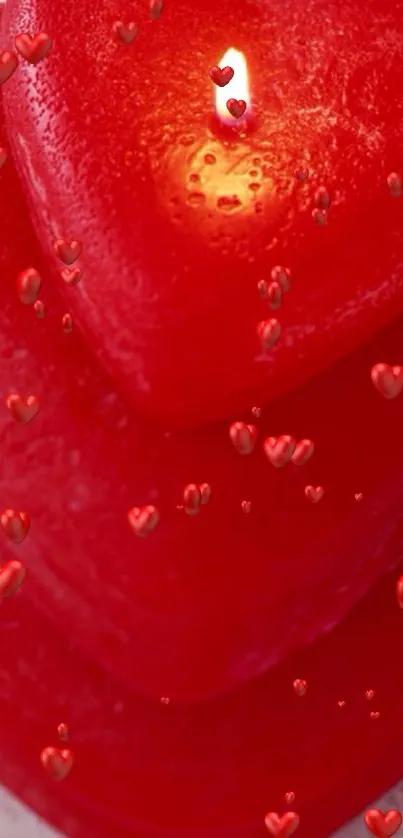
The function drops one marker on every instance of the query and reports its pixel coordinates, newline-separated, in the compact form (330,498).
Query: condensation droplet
(194,177)
(227,203)
(196,199)
(187,139)
(210,159)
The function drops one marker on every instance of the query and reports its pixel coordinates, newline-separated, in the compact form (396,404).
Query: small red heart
(71,276)
(375,714)
(383,824)
(243,437)
(358,496)
(303,451)
(369,694)
(12,576)
(263,289)
(8,65)
(268,332)
(322,198)
(156,9)
(205,493)
(394,182)
(314,493)
(125,32)
(67,251)
(63,731)
(57,763)
(289,797)
(39,309)
(33,49)
(221,77)
(28,286)
(387,380)
(300,686)
(236,107)
(15,525)
(22,410)
(320,216)
(279,450)
(282,827)
(399,591)
(301,174)
(282,276)
(143,519)
(246,506)
(67,323)
(275,295)
(192,499)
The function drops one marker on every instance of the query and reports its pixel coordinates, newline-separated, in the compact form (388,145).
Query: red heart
(279,450)
(387,380)
(8,65)
(67,251)
(205,492)
(156,9)
(125,32)
(57,763)
(221,77)
(236,107)
(12,576)
(268,332)
(15,525)
(71,276)
(399,591)
(28,286)
(383,825)
(275,295)
(22,410)
(33,49)
(143,519)
(67,323)
(314,493)
(39,309)
(192,499)
(303,452)
(300,686)
(243,437)
(282,827)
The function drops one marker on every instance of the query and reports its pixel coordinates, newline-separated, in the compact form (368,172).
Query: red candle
(180,222)
(191,613)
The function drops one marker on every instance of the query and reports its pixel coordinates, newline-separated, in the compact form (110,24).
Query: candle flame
(237,88)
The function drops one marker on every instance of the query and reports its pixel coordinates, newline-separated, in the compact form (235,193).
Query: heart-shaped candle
(183,209)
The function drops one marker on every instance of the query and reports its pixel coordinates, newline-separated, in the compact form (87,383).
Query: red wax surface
(215,612)
(114,146)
